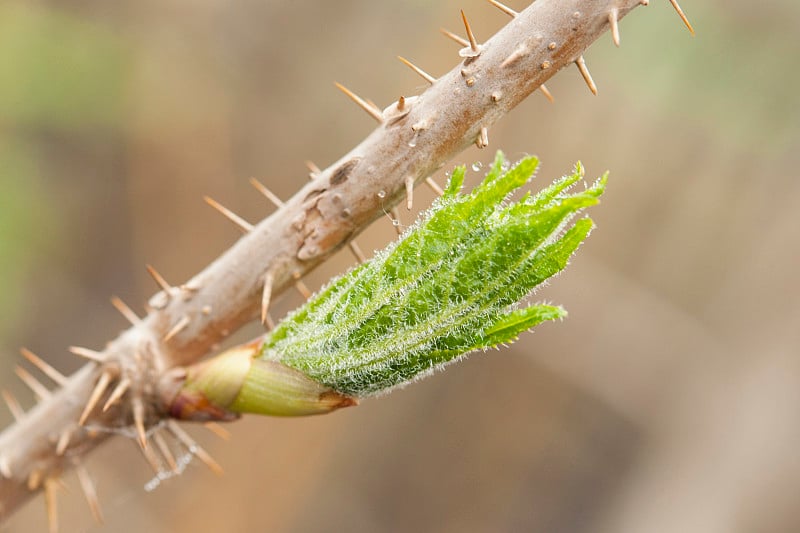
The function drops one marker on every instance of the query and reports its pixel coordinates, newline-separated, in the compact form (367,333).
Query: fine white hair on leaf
(449,286)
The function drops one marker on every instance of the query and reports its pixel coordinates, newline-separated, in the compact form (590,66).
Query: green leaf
(449,286)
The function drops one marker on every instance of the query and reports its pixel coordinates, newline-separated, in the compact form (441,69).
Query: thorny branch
(415,136)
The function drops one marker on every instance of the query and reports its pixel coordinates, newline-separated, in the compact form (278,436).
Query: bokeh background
(668,401)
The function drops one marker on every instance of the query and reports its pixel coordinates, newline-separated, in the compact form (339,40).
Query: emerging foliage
(448,287)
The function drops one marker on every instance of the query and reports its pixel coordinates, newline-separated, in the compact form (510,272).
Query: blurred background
(667,401)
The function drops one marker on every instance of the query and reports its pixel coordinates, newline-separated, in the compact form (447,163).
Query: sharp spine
(266,296)
(587,77)
(118,392)
(613,21)
(313,169)
(193,447)
(13,405)
(547,94)
(409,192)
(51,504)
(302,288)
(434,186)
(394,216)
(138,421)
(90,492)
(163,447)
(179,326)
(268,194)
(504,8)
(63,441)
(39,390)
(373,111)
(483,137)
(86,353)
(457,38)
(99,388)
(424,75)
(218,430)
(34,479)
(473,44)
(160,281)
(42,365)
(125,310)
(241,223)
(150,457)
(682,15)
(5,468)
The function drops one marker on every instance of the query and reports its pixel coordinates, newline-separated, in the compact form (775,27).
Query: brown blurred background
(666,402)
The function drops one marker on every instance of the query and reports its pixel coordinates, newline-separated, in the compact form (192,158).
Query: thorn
(427,77)
(151,458)
(138,421)
(63,441)
(504,8)
(179,326)
(34,479)
(86,353)
(373,111)
(682,15)
(13,405)
(460,40)
(613,20)
(409,192)
(373,105)
(125,310)
(60,483)
(585,73)
(97,392)
(434,186)
(301,287)
(27,378)
(194,448)
(313,169)
(401,103)
(46,369)
(394,216)
(160,281)
(51,504)
(163,447)
(271,196)
(356,250)
(218,430)
(188,290)
(5,468)
(241,223)
(546,93)
(117,393)
(473,44)
(483,138)
(89,491)
(266,295)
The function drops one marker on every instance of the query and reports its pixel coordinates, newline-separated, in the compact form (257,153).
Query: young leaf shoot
(451,285)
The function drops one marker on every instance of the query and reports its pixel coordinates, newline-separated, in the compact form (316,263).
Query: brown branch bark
(343,199)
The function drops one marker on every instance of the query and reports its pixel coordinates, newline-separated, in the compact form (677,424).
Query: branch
(415,137)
